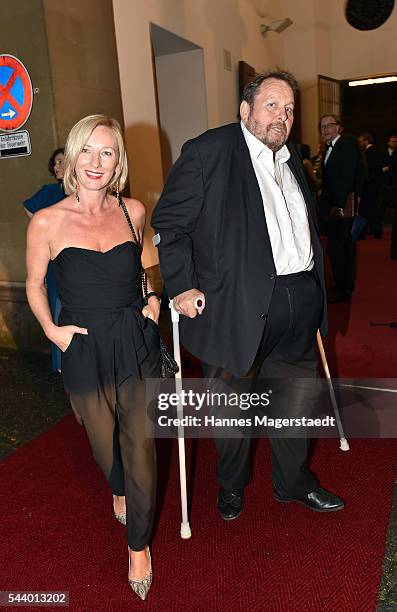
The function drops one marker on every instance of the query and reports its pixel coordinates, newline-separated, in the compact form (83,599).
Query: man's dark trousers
(287,351)
(342,254)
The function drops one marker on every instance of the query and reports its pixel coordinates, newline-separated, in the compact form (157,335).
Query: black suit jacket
(390,177)
(389,190)
(373,178)
(214,237)
(342,175)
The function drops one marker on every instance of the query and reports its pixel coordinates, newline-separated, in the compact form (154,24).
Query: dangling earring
(117,191)
(76,193)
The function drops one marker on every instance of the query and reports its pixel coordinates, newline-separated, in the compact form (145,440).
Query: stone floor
(32,399)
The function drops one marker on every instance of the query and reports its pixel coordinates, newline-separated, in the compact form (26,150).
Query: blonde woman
(108,337)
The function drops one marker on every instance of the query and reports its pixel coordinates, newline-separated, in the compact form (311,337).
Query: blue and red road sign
(16,95)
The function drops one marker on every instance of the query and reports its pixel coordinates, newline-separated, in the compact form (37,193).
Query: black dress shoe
(230,503)
(319,500)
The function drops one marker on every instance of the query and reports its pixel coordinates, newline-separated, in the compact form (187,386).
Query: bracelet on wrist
(153,294)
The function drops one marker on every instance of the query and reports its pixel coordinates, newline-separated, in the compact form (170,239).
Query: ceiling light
(374,81)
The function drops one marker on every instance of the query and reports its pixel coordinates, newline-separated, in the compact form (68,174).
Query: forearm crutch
(344,445)
(185,527)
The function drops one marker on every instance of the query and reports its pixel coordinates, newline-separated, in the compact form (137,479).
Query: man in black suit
(390,160)
(390,186)
(342,178)
(371,206)
(237,230)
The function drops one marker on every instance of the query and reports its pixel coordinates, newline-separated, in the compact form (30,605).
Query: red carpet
(58,534)
(355,349)
(57,530)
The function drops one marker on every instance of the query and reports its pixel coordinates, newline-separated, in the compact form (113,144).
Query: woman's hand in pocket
(152,309)
(62,336)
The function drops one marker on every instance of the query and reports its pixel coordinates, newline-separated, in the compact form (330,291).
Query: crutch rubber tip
(186,532)
(344,445)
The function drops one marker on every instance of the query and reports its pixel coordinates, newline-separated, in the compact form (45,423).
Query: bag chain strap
(143,273)
(168,364)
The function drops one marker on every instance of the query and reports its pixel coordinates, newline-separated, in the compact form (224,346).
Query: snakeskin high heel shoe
(121,517)
(141,587)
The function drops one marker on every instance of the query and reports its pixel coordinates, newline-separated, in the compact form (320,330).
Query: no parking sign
(16,93)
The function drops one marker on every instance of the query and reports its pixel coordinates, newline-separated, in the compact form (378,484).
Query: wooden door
(329,96)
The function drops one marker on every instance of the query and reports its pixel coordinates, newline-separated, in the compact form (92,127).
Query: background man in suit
(342,177)
(236,228)
(371,206)
(390,186)
(390,159)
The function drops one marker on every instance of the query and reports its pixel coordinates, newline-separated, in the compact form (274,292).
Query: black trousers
(342,253)
(287,351)
(372,211)
(393,244)
(122,449)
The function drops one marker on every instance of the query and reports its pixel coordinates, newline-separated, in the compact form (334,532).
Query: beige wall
(355,53)
(83,60)
(322,42)
(69,50)
(71,54)
(23,35)
(181,97)
(212,25)
(319,42)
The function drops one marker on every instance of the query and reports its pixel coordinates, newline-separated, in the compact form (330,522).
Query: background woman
(313,181)
(108,338)
(47,196)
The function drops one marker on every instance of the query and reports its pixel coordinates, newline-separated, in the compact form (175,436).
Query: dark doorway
(370,108)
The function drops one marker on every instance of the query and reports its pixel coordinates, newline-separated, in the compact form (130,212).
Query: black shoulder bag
(169,366)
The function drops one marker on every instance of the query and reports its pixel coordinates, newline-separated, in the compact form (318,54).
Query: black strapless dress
(103,371)
(102,292)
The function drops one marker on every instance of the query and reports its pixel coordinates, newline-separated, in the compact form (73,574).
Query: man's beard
(274,136)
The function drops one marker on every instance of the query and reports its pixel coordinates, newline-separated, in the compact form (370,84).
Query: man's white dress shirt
(284,206)
(329,149)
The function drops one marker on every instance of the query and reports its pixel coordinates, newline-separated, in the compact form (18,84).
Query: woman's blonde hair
(78,136)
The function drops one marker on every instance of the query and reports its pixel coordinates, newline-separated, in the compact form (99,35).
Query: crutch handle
(174,313)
